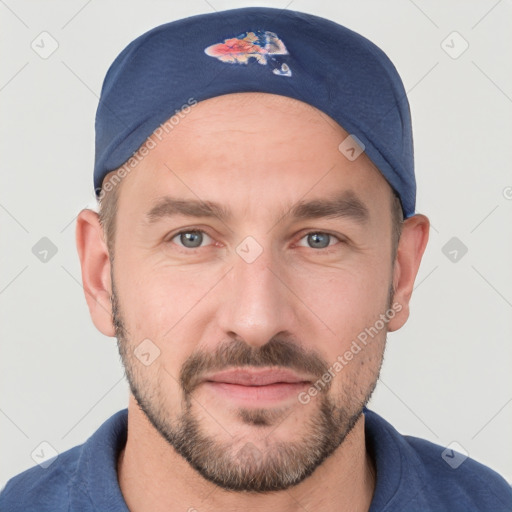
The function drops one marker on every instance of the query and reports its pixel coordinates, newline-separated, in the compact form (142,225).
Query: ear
(95,263)
(413,241)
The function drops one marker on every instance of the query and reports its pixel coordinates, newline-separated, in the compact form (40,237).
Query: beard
(238,464)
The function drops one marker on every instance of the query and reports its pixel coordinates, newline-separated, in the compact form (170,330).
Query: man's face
(248,303)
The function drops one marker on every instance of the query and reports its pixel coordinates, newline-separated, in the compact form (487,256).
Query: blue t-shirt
(412,475)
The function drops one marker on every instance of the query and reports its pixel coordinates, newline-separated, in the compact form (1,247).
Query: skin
(257,155)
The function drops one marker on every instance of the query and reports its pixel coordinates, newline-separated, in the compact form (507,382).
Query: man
(256,241)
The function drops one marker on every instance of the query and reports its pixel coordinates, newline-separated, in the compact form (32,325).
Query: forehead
(247,147)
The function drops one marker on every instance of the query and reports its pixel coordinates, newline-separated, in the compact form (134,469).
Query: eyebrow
(169,207)
(344,205)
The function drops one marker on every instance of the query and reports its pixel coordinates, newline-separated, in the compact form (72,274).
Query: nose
(259,304)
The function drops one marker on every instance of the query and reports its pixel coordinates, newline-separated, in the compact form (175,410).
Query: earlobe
(95,263)
(410,250)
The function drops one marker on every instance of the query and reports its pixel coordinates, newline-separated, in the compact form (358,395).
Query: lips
(258,377)
(256,387)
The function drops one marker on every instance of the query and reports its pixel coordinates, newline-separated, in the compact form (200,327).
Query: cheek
(349,333)
(345,299)
(151,296)
(166,305)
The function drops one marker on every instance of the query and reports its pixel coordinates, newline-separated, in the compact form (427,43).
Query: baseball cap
(258,49)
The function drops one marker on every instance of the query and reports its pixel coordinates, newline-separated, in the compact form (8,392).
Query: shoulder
(42,489)
(81,478)
(454,476)
(417,474)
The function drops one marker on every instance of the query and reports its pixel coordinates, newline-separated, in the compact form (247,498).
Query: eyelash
(193,249)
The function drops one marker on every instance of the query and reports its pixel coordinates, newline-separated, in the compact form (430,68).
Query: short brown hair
(108,204)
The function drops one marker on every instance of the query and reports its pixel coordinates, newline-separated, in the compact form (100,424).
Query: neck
(152,476)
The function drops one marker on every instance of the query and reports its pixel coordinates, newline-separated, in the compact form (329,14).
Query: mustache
(277,352)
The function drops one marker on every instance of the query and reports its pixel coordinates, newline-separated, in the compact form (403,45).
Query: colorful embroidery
(261,45)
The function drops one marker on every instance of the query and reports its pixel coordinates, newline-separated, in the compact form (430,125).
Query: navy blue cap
(258,49)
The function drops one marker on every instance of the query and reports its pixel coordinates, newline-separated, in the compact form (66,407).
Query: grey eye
(318,240)
(191,239)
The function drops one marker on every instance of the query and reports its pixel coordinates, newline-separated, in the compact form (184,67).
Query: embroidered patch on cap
(261,45)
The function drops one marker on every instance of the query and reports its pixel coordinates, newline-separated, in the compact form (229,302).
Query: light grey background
(446,375)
